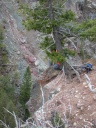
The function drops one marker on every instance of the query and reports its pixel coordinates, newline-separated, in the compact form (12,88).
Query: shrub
(57,121)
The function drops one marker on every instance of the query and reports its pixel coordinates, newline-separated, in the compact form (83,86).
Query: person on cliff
(87,67)
(57,66)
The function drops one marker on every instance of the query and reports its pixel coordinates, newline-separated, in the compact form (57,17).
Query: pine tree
(86,29)
(48,18)
(25,91)
(7,103)
(6,87)
(3,51)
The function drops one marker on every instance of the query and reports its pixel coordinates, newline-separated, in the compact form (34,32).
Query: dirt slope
(73,101)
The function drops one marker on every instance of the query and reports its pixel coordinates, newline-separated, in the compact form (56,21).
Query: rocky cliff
(22,46)
(53,91)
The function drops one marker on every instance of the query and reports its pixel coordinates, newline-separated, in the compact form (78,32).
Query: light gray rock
(94,97)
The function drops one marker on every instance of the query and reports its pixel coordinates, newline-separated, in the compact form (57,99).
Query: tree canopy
(56,23)
(48,18)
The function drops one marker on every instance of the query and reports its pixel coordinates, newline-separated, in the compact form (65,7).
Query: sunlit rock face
(22,46)
(82,8)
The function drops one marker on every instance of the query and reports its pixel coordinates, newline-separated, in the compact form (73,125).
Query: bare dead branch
(88,81)
(77,73)
(4,124)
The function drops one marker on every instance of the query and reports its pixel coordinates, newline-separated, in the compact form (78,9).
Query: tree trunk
(85,8)
(56,35)
(57,39)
